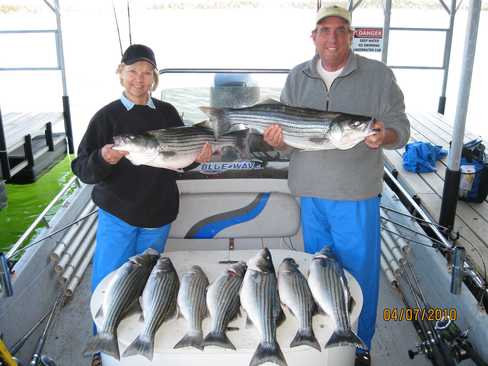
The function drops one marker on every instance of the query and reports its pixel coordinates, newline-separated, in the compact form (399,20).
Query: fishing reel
(457,341)
(423,348)
(47,361)
(457,345)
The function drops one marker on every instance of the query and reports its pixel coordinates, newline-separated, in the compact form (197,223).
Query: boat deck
(393,339)
(471,218)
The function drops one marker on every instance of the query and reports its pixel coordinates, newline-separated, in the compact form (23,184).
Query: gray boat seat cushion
(236,215)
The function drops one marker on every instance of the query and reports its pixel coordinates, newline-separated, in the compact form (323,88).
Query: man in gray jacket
(339,189)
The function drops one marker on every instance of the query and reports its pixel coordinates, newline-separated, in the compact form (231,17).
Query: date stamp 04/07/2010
(416,314)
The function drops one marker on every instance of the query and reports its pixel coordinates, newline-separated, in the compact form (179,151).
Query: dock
(28,145)
(471,220)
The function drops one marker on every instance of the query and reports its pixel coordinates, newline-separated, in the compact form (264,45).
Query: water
(26,201)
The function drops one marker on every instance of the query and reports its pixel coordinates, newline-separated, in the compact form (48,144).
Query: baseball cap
(138,52)
(333,11)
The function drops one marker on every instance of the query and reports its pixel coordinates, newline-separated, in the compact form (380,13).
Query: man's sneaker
(363,358)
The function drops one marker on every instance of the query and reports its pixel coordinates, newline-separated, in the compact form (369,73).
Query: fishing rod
(7,356)
(20,343)
(7,264)
(391,179)
(54,233)
(432,344)
(438,242)
(37,356)
(424,347)
(118,30)
(452,343)
(407,238)
(421,221)
(459,258)
(128,19)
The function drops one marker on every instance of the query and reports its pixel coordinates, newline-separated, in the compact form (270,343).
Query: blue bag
(420,157)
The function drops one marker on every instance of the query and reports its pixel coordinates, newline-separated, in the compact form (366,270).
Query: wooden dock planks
(471,218)
(19,124)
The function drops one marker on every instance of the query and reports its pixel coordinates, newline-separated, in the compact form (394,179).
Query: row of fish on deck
(152,279)
(303,128)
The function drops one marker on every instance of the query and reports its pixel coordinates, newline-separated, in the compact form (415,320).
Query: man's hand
(381,136)
(273,136)
(205,154)
(112,156)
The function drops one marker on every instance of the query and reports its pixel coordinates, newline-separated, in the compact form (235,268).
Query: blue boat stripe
(211,226)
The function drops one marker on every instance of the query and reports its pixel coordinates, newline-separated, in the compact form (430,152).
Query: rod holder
(5,276)
(457,274)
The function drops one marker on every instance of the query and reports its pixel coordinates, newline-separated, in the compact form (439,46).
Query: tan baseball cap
(333,11)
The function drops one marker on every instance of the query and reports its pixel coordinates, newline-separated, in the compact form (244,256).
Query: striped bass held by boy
(303,128)
(176,148)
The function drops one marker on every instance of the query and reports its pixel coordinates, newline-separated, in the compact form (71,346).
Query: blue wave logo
(222,166)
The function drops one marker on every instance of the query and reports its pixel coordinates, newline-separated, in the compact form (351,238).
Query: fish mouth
(120,140)
(117,141)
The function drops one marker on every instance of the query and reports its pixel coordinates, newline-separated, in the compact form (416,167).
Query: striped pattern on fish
(303,128)
(124,289)
(192,305)
(223,304)
(158,302)
(330,290)
(259,297)
(296,295)
(176,148)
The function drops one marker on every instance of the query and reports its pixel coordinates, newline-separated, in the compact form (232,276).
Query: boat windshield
(188,90)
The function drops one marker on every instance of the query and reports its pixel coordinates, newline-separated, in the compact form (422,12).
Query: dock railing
(4,150)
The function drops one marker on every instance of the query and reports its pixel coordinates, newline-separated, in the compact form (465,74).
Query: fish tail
(268,352)
(219,123)
(305,337)
(191,339)
(143,345)
(345,338)
(220,339)
(103,342)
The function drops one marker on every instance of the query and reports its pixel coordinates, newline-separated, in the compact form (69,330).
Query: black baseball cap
(138,52)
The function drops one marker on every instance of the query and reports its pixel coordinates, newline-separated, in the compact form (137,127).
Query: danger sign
(367,40)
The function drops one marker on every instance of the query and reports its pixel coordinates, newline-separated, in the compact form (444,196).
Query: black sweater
(142,196)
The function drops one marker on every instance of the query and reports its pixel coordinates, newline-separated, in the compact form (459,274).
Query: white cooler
(245,339)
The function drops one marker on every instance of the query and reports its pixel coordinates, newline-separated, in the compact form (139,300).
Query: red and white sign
(367,40)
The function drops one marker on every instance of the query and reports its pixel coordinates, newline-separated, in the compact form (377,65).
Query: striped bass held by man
(303,128)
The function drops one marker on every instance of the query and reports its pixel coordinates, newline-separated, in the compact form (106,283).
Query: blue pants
(352,229)
(117,241)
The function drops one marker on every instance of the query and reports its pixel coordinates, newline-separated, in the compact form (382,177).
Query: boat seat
(236,215)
